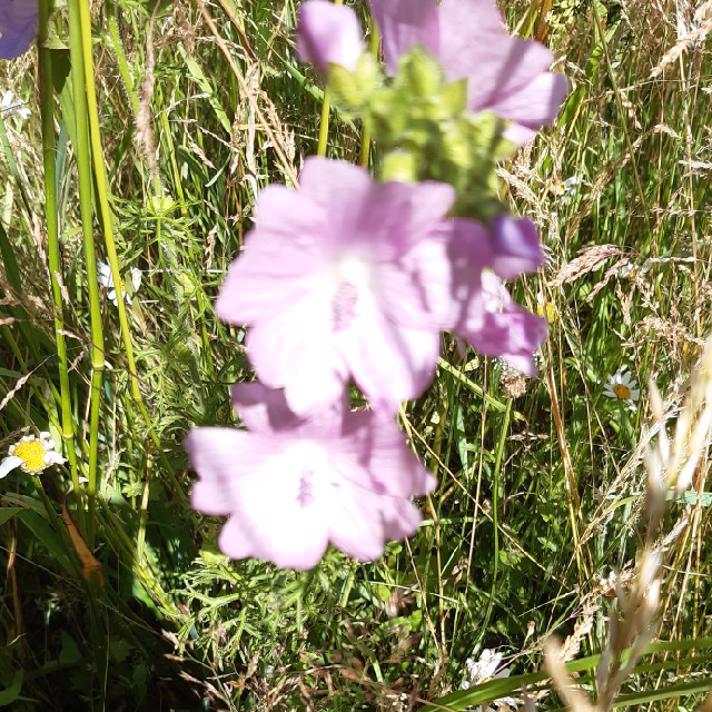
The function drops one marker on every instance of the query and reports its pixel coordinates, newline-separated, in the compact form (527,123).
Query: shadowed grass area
(200,105)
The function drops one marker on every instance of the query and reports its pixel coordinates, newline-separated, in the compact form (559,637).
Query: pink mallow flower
(469,297)
(18,26)
(506,75)
(328,34)
(330,283)
(291,485)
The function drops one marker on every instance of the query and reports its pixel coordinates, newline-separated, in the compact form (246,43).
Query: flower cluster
(349,279)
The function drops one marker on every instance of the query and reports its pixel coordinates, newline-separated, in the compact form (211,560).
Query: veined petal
(295,350)
(222,457)
(375,441)
(390,363)
(269,275)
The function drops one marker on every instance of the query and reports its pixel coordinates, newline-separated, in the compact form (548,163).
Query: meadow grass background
(540,481)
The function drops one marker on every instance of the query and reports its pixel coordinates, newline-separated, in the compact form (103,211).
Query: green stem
(102,186)
(325,110)
(49,150)
(324,124)
(366,135)
(85,207)
(102,191)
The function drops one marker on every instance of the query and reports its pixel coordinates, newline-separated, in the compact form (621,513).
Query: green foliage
(424,131)
(539,492)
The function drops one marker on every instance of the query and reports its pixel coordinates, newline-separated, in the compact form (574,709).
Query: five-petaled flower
(506,75)
(346,277)
(291,485)
(18,26)
(31,454)
(330,283)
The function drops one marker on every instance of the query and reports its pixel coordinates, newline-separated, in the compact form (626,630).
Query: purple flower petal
(499,327)
(290,491)
(262,409)
(405,24)
(18,26)
(328,34)
(517,249)
(316,285)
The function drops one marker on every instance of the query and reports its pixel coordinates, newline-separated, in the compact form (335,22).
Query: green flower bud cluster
(424,129)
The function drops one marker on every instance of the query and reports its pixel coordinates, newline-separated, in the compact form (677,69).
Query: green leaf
(11,694)
(7,513)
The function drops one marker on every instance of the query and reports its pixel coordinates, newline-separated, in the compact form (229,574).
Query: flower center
(621,391)
(312,471)
(32,454)
(305,494)
(352,276)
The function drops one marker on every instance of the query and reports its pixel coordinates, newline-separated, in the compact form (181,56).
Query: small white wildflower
(623,387)
(486,669)
(32,455)
(106,280)
(10,105)
(567,188)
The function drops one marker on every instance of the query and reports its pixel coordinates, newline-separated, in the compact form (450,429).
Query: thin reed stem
(49,155)
(83,155)
(102,189)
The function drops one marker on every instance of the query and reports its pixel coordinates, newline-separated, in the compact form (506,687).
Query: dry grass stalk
(633,615)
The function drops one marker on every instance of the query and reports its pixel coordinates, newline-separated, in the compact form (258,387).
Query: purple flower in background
(18,26)
(517,249)
(506,75)
(471,299)
(332,283)
(328,34)
(292,485)
(497,326)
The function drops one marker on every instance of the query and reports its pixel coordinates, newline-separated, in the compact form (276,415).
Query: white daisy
(106,280)
(31,454)
(623,387)
(10,105)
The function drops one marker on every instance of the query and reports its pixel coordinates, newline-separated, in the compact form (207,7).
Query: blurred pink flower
(506,75)
(331,283)
(18,26)
(517,248)
(328,34)
(292,485)
(471,300)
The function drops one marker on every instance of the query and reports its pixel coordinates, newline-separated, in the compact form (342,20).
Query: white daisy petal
(104,277)
(8,464)
(136,277)
(52,457)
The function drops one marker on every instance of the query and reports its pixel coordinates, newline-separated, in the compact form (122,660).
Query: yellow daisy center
(621,391)
(32,454)
(548,311)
